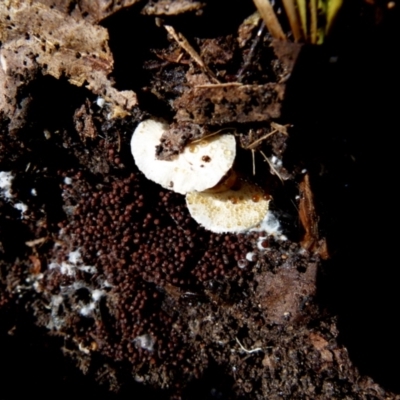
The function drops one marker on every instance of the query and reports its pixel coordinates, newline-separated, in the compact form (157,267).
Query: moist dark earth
(108,287)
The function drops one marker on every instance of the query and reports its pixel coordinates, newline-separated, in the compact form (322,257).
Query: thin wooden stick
(253,158)
(275,128)
(271,166)
(246,350)
(182,41)
(215,85)
(209,135)
(255,143)
(281,128)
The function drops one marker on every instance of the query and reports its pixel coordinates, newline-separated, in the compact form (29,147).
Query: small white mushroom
(232,211)
(199,167)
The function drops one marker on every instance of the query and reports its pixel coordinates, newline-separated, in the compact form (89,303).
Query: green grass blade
(331,13)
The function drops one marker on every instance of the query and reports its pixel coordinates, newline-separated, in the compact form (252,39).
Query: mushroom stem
(225,183)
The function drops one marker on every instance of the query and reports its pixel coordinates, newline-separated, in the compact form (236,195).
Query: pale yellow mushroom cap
(199,167)
(232,211)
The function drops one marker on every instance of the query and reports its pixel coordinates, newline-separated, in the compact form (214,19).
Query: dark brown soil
(109,288)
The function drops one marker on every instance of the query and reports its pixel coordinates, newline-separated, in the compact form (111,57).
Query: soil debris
(174,140)
(285,293)
(218,51)
(84,124)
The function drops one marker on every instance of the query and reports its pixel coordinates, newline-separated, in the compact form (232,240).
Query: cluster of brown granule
(125,250)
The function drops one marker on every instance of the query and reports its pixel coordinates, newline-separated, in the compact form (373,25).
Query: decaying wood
(221,104)
(309,219)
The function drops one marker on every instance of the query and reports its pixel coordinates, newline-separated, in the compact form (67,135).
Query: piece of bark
(230,103)
(309,219)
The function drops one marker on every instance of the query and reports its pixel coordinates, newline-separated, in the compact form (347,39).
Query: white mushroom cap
(199,167)
(232,211)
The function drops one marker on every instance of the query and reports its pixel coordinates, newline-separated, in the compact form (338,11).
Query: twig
(119,143)
(276,128)
(255,350)
(280,128)
(169,60)
(267,13)
(271,166)
(209,135)
(182,41)
(251,146)
(253,156)
(253,153)
(35,242)
(215,85)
